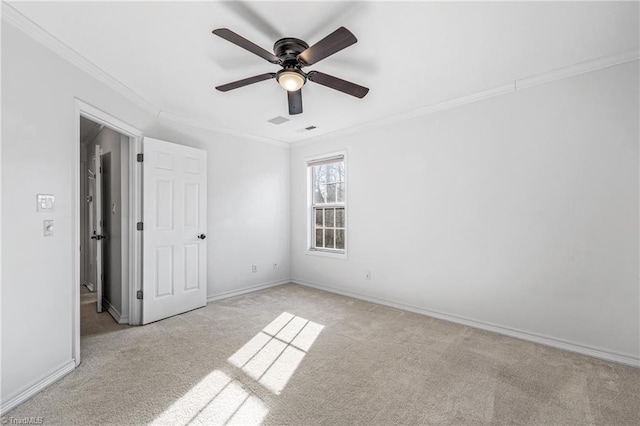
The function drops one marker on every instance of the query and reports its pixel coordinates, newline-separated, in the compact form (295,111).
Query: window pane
(328,217)
(326,171)
(339,218)
(328,238)
(319,217)
(319,238)
(332,172)
(328,183)
(320,194)
(340,192)
(320,173)
(331,193)
(340,239)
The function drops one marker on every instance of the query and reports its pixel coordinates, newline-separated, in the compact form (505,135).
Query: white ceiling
(410,55)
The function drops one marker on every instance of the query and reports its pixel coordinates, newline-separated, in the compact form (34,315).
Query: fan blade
(249,13)
(246,81)
(238,40)
(334,42)
(295,102)
(338,84)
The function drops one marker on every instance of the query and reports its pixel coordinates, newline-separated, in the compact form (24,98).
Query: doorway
(118,143)
(104,204)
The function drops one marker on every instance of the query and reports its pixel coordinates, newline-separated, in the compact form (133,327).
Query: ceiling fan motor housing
(288,49)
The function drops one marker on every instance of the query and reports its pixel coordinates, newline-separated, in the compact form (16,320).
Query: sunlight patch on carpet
(215,400)
(272,356)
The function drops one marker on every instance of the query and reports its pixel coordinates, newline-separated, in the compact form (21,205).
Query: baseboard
(37,386)
(245,290)
(90,286)
(120,319)
(518,334)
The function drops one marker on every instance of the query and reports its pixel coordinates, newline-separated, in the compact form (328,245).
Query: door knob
(98,237)
(202,236)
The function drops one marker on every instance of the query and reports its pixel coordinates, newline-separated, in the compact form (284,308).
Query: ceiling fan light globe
(291,81)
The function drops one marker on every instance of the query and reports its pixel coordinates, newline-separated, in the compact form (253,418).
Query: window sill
(323,253)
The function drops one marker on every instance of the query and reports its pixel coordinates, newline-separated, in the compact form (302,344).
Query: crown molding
(12,16)
(520,84)
(577,69)
(167,116)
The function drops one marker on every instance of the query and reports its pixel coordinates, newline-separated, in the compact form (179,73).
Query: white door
(174,229)
(97,232)
(92,280)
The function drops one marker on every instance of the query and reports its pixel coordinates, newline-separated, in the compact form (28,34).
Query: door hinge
(139,294)
(139,226)
(140,157)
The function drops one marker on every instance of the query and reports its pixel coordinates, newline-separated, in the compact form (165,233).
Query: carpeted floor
(291,355)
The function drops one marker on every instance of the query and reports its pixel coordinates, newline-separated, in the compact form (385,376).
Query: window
(328,204)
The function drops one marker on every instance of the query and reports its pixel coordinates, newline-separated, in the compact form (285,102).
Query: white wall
(248,205)
(519,211)
(248,209)
(38,141)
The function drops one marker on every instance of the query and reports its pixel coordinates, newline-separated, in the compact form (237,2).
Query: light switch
(45,202)
(47,228)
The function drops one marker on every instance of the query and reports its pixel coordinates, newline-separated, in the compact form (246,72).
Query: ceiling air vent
(306,129)
(278,120)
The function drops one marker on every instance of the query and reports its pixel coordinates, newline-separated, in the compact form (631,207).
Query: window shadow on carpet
(273,355)
(271,358)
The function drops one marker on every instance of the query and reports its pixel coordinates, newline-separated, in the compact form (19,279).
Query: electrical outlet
(254,268)
(275,265)
(368,275)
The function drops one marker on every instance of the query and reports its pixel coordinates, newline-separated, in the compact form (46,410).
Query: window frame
(311,206)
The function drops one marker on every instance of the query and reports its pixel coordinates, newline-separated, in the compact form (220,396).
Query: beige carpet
(298,356)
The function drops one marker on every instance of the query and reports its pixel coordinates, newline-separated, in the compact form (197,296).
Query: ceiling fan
(292,55)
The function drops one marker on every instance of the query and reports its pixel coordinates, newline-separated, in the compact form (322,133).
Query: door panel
(164,204)
(163,279)
(174,215)
(191,207)
(192,266)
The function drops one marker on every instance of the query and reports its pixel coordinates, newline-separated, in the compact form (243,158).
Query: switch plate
(47,228)
(45,202)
